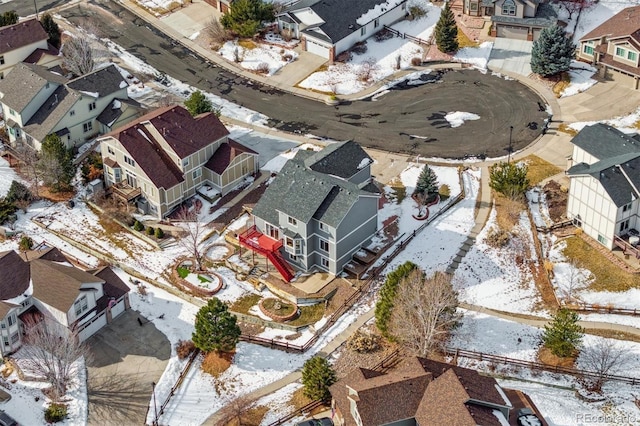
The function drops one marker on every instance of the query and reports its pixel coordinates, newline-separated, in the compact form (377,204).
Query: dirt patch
(556,197)
(546,357)
(216,363)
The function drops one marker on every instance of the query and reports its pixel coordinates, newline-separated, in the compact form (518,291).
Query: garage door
(317,48)
(506,31)
(536,33)
(117,309)
(90,328)
(625,80)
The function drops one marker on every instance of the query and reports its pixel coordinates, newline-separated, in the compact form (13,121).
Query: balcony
(262,244)
(125,191)
(622,242)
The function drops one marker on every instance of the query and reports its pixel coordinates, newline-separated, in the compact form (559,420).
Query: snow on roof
(116,104)
(94,94)
(378,10)
(364,163)
(123,84)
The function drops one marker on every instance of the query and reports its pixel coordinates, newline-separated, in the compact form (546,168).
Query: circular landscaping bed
(278,310)
(204,284)
(218,252)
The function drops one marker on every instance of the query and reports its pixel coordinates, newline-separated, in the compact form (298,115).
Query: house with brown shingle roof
(26,41)
(37,102)
(421,392)
(44,283)
(167,155)
(614,46)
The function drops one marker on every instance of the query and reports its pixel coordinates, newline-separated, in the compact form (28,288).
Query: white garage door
(506,31)
(95,324)
(117,309)
(625,80)
(317,48)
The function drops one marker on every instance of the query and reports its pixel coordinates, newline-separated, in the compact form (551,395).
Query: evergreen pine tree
(51,27)
(384,306)
(509,179)
(215,328)
(245,18)
(446,31)
(56,164)
(427,182)
(317,376)
(198,104)
(9,18)
(563,335)
(552,52)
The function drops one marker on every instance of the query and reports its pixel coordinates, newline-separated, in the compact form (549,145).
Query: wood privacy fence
(183,374)
(407,36)
(481,356)
(589,308)
(360,292)
(383,366)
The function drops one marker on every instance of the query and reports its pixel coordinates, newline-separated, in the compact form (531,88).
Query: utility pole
(35,5)
(510,134)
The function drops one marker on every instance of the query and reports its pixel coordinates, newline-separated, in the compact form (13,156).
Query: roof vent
(350,26)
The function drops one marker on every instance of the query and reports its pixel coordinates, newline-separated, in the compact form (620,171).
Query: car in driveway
(324,421)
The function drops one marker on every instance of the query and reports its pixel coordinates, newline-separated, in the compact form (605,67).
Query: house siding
(623,44)
(589,201)
(356,229)
(14,57)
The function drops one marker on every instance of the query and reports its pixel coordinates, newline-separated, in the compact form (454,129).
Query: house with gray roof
(166,156)
(419,392)
(329,27)
(605,185)
(43,283)
(26,41)
(320,209)
(37,102)
(522,19)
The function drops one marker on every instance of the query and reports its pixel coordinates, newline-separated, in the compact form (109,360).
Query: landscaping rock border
(197,290)
(275,317)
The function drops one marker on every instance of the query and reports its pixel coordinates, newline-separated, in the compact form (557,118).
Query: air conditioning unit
(143,205)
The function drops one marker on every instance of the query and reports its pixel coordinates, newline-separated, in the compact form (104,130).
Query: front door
(273,232)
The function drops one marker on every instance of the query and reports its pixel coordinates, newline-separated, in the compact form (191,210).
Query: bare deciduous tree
(217,33)
(425,310)
(51,351)
(233,411)
(192,239)
(78,55)
(604,357)
(29,159)
(576,6)
(367,68)
(575,279)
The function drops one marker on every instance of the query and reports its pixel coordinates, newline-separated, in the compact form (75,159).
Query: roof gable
(102,82)
(342,159)
(224,155)
(24,82)
(22,34)
(603,141)
(14,275)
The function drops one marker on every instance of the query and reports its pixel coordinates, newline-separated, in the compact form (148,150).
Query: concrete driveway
(126,359)
(511,55)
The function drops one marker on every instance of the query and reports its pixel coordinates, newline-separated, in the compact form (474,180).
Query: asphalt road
(28,7)
(408,119)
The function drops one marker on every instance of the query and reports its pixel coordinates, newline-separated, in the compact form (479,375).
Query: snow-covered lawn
(260,56)
(476,56)
(580,74)
(7,175)
(594,16)
(624,123)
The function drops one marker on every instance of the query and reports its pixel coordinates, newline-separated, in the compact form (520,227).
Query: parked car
(7,420)
(325,421)
(526,417)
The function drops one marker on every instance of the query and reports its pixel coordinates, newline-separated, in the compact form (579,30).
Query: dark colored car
(7,420)
(526,417)
(325,421)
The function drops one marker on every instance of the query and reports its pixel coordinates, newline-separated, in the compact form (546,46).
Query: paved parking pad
(511,55)
(126,358)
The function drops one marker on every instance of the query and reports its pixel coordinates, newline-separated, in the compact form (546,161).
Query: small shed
(95,187)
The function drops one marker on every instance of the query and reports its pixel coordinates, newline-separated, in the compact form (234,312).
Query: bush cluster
(55,413)
(362,342)
(498,238)
(184,348)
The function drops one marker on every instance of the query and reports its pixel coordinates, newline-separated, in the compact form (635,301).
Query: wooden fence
(407,36)
(589,308)
(383,366)
(481,356)
(183,374)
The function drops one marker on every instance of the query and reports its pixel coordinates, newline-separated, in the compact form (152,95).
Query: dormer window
(509,8)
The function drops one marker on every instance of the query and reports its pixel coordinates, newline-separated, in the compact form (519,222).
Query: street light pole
(155,408)
(36,7)
(510,134)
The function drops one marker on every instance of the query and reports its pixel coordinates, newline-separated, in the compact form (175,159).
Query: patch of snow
(624,123)
(123,84)
(377,11)
(580,75)
(92,94)
(457,118)
(7,175)
(476,56)
(194,35)
(116,104)
(364,163)
(262,55)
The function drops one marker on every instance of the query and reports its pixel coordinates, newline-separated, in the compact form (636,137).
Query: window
(293,257)
(81,305)
(624,225)
(324,262)
(620,51)
(363,31)
(474,7)
(11,319)
(1,76)
(509,8)
(5,339)
(25,303)
(324,245)
(323,227)
(292,221)
(2,60)
(72,112)
(602,240)
(129,161)
(12,112)
(632,56)
(627,207)
(92,106)
(15,337)
(185,162)
(110,150)
(376,23)
(3,325)
(197,173)
(87,127)
(588,49)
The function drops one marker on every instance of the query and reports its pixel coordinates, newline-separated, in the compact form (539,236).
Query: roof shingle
(21,34)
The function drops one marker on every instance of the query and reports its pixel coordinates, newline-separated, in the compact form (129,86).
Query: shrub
(498,237)
(142,290)
(317,376)
(159,233)
(151,231)
(362,342)
(215,328)
(444,191)
(417,12)
(55,413)
(509,179)
(262,68)
(137,226)
(383,35)
(344,56)
(26,243)
(359,48)
(184,348)
(287,57)
(416,62)
(217,32)
(563,335)
(18,192)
